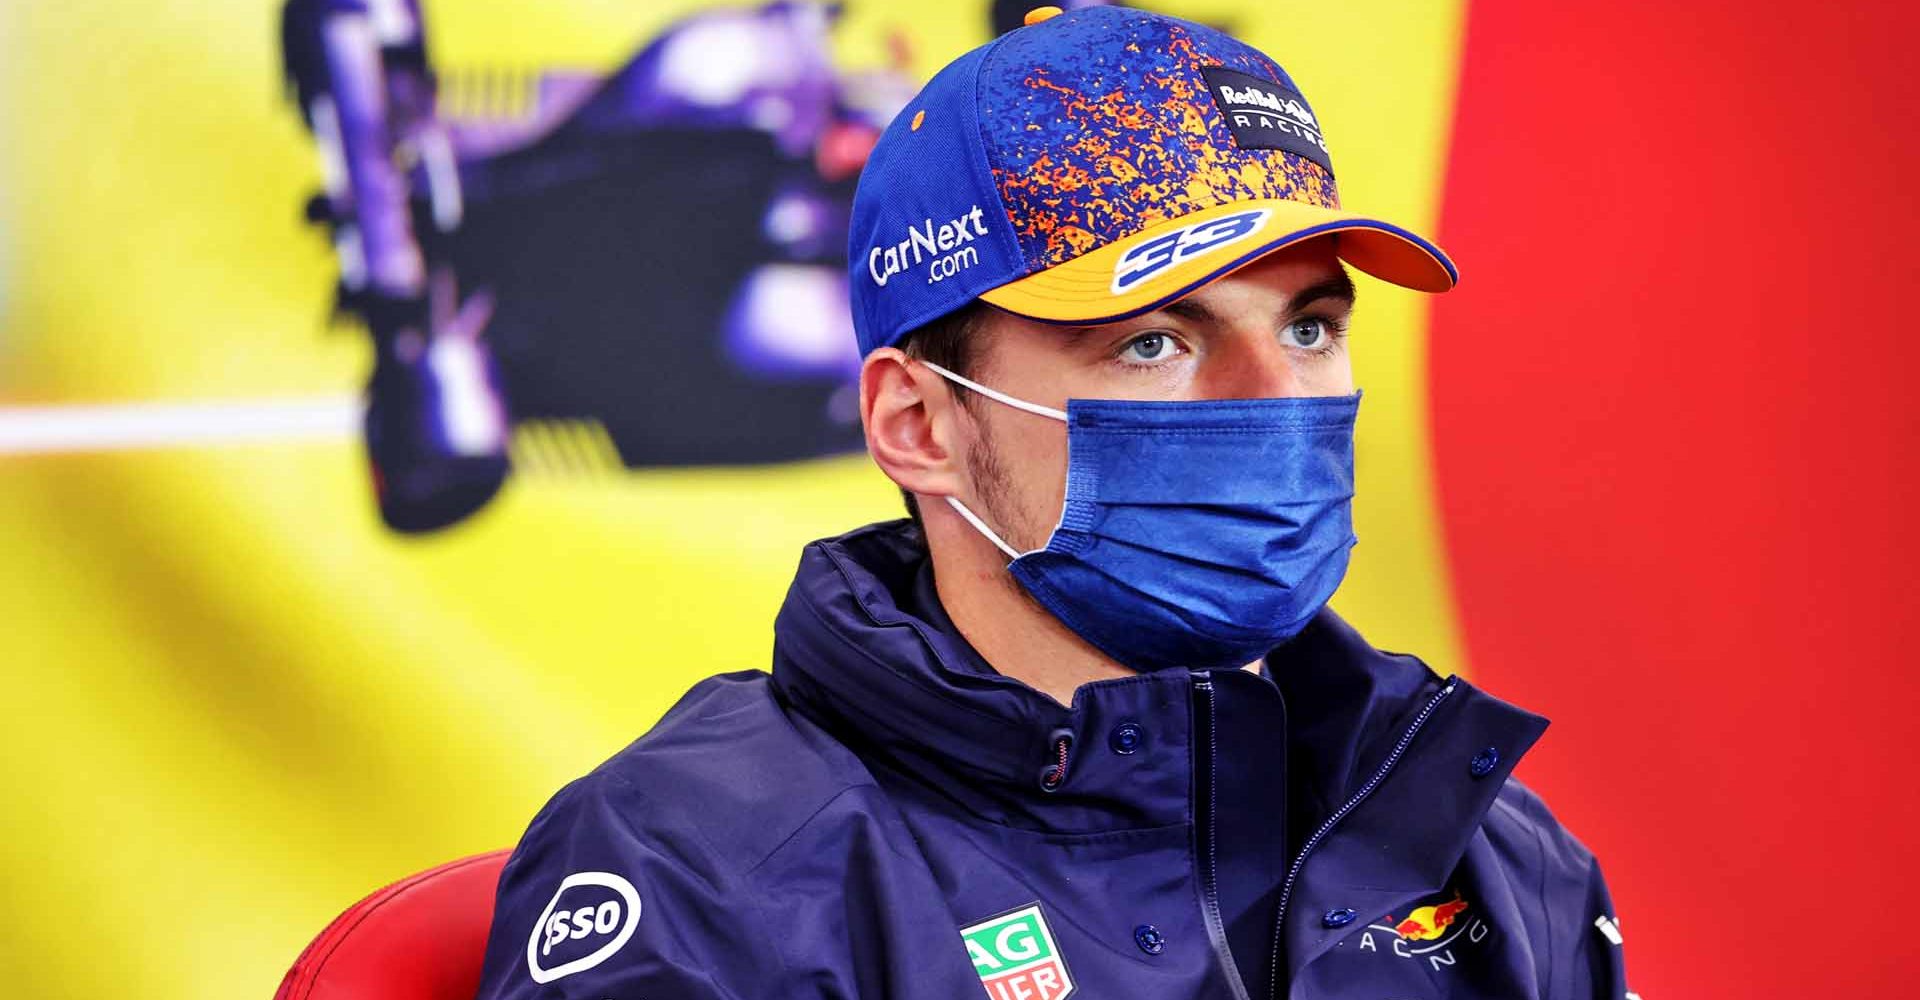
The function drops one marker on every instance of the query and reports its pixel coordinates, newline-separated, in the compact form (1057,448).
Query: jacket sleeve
(1599,969)
(605,899)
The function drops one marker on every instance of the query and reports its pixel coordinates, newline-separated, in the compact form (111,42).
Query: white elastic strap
(981,526)
(1018,404)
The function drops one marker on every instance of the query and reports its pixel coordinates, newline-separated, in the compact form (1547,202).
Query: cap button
(1038,14)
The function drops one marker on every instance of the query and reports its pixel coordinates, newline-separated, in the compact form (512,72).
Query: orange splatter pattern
(1093,143)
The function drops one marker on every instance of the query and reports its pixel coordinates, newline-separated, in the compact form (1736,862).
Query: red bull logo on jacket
(1428,922)
(1436,933)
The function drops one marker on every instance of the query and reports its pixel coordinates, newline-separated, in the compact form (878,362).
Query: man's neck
(1011,631)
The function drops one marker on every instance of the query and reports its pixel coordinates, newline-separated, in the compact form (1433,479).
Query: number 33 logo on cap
(1167,249)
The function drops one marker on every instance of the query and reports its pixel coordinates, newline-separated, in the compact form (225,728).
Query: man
(1084,727)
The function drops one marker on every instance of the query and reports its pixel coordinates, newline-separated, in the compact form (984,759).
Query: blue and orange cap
(1096,165)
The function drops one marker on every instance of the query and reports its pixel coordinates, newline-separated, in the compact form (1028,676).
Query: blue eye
(1148,348)
(1311,333)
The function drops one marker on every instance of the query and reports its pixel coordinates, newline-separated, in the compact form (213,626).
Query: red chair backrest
(421,938)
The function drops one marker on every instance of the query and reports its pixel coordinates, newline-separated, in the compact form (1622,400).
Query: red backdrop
(1676,438)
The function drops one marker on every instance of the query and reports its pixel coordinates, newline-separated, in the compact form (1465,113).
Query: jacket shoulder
(1559,887)
(729,762)
(635,876)
(1525,830)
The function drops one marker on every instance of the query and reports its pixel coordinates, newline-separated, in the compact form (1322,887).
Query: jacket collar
(862,647)
(1406,837)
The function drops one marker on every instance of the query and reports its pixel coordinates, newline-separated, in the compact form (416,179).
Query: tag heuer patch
(1017,958)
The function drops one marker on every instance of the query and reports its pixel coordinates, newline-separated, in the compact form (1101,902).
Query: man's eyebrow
(1193,311)
(1075,335)
(1187,309)
(1340,287)
(1337,287)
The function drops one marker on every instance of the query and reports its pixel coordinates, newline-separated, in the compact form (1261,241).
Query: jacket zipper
(1300,860)
(1059,772)
(1203,806)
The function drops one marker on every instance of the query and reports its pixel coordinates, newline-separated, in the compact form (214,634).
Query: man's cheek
(1040,482)
(1332,375)
(1020,473)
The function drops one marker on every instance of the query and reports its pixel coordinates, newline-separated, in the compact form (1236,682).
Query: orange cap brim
(1151,268)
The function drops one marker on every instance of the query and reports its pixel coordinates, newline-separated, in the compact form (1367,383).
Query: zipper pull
(1055,774)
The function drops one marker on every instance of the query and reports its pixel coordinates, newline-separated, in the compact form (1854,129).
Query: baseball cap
(1095,165)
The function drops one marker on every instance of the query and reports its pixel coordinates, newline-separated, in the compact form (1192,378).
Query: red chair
(421,938)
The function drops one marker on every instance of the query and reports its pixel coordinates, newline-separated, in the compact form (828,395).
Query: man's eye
(1149,347)
(1311,333)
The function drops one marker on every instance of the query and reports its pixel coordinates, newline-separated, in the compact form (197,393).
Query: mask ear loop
(994,394)
(981,526)
(1018,404)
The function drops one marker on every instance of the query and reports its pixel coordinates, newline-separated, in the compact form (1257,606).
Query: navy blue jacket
(886,816)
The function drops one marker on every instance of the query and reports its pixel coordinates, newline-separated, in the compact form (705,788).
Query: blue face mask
(1195,534)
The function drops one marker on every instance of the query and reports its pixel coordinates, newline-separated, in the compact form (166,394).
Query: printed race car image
(645,268)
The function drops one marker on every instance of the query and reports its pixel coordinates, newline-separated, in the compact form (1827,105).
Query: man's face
(1272,329)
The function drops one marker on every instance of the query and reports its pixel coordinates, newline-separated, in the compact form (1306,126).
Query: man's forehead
(1293,284)
(1301,275)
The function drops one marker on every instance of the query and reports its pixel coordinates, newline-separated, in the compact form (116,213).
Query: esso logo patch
(589,918)
(1163,251)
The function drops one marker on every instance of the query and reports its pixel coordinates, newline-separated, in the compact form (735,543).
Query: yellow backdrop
(235,702)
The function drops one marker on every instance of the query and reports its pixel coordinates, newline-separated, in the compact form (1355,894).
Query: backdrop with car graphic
(400,407)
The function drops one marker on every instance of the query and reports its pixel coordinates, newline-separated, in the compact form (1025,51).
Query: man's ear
(911,420)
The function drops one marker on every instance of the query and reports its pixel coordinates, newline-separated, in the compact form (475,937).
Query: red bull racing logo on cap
(1267,114)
